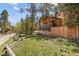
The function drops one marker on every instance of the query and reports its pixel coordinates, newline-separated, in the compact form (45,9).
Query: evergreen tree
(22,25)
(4,16)
(71,13)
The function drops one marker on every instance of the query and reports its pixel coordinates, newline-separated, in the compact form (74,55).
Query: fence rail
(8,51)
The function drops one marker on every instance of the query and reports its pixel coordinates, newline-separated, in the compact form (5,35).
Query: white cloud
(14,5)
(16,8)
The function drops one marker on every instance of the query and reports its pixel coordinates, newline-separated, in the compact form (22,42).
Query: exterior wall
(45,23)
(65,32)
(48,22)
(61,15)
(58,22)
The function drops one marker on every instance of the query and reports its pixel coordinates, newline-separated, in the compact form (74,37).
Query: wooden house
(47,22)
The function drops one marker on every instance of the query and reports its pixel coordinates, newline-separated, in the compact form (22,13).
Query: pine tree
(71,12)
(4,16)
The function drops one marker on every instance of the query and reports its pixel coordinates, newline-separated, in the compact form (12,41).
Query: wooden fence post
(63,31)
(75,32)
(78,31)
(8,51)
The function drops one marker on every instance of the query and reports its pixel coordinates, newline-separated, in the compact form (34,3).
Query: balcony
(45,27)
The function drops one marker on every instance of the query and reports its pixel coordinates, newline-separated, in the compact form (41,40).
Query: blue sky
(13,10)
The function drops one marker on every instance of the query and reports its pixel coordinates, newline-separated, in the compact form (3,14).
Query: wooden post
(8,51)
(63,32)
(75,32)
(78,31)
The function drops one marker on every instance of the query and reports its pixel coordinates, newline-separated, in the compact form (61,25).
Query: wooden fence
(8,51)
(8,48)
(65,32)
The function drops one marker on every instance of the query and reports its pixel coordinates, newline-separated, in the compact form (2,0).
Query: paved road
(4,38)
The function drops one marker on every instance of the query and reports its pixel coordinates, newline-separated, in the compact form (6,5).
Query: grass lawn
(3,45)
(35,46)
